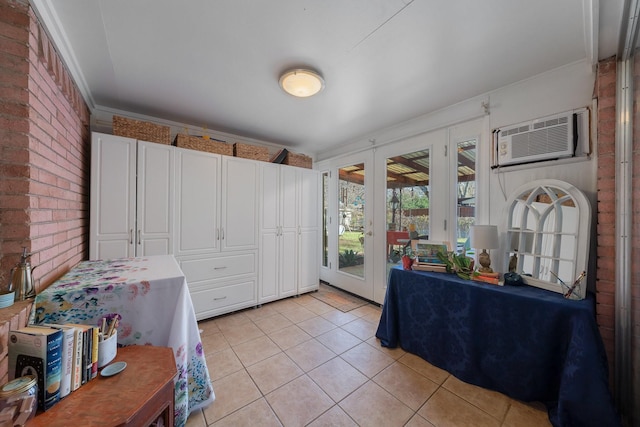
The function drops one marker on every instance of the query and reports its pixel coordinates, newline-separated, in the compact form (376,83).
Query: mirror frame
(582,232)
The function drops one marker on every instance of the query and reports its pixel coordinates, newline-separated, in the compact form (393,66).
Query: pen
(576,283)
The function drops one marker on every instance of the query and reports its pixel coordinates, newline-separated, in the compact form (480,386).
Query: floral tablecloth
(152,298)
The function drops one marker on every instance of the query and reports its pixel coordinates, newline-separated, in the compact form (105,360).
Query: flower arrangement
(457,263)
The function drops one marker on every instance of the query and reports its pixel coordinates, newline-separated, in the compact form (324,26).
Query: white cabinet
(131,198)
(244,232)
(289,263)
(216,230)
(216,203)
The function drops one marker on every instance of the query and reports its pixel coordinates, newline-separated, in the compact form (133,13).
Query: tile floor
(299,362)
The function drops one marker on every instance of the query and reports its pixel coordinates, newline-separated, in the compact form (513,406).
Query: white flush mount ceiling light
(301,82)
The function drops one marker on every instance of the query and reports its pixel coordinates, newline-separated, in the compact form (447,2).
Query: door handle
(131,236)
(139,241)
(222,233)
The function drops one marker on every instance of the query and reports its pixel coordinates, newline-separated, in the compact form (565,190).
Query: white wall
(564,89)
(559,90)
(556,91)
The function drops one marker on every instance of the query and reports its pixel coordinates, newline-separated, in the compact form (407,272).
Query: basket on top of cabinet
(201,144)
(142,130)
(253,152)
(299,160)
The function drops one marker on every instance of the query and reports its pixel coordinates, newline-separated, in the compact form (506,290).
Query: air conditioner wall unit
(547,138)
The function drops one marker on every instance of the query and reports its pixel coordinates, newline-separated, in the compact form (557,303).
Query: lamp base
(485,261)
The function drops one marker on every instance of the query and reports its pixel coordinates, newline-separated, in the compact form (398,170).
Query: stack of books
(62,357)
(428,266)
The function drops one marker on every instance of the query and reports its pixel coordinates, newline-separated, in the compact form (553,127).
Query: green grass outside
(350,240)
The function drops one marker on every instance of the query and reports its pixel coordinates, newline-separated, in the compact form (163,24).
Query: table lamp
(484,237)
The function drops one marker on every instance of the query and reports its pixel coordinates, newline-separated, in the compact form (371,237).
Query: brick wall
(44,156)
(606,214)
(44,147)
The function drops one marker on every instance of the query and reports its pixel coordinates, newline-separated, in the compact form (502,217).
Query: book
(87,351)
(68,354)
(94,352)
(38,351)
(279,156)
(422,266)
(494,280)
(77,360)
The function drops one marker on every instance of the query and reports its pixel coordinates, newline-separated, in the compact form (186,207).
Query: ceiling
(216,63)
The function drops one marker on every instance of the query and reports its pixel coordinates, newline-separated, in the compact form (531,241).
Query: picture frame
(426,251)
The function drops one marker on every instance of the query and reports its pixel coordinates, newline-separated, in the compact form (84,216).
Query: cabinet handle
(220,298)
(222,233)
(131,236)
(299,230)
(139,241)
(220,268)
(217,234)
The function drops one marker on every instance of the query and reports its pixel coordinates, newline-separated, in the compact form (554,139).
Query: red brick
(14,13)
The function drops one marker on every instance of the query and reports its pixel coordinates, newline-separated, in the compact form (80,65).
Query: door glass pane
(325,224)
(407,202)
(351,215)
(466,194)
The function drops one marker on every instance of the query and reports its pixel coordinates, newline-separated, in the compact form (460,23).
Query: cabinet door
(309,216)
(309,231)
(308,260)
(269,256)
(113,197)
(197,202)
(269,271)
(239,227)
(155,199)
(289,196)
(270,201)
(288,262)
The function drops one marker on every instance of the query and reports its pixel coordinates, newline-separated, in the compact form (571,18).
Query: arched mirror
(546,227)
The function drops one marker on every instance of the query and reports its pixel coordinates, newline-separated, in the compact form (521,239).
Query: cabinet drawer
(211,302)
(198,270)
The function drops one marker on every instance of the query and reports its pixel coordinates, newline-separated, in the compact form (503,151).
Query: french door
(348,225)
(375,201)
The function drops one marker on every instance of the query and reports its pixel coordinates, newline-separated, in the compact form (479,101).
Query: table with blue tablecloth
(528,343)
(151,297)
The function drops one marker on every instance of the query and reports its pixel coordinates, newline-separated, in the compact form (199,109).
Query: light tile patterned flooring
(299,361)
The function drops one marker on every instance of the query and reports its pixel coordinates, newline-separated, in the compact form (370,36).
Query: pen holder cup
(107,349)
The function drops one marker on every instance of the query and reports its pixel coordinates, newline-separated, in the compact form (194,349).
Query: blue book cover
(37,350)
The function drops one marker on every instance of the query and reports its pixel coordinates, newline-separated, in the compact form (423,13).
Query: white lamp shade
(484,236)
(301,83)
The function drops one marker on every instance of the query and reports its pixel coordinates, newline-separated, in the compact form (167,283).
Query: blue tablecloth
(528,343)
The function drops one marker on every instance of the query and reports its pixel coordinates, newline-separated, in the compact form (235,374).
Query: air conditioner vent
(546,138)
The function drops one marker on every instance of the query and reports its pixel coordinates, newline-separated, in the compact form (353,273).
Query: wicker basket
(299,160)
(201,144)
(251,151)
(141,130)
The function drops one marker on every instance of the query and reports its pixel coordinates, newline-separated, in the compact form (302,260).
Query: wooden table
(137,396)
(151,296)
